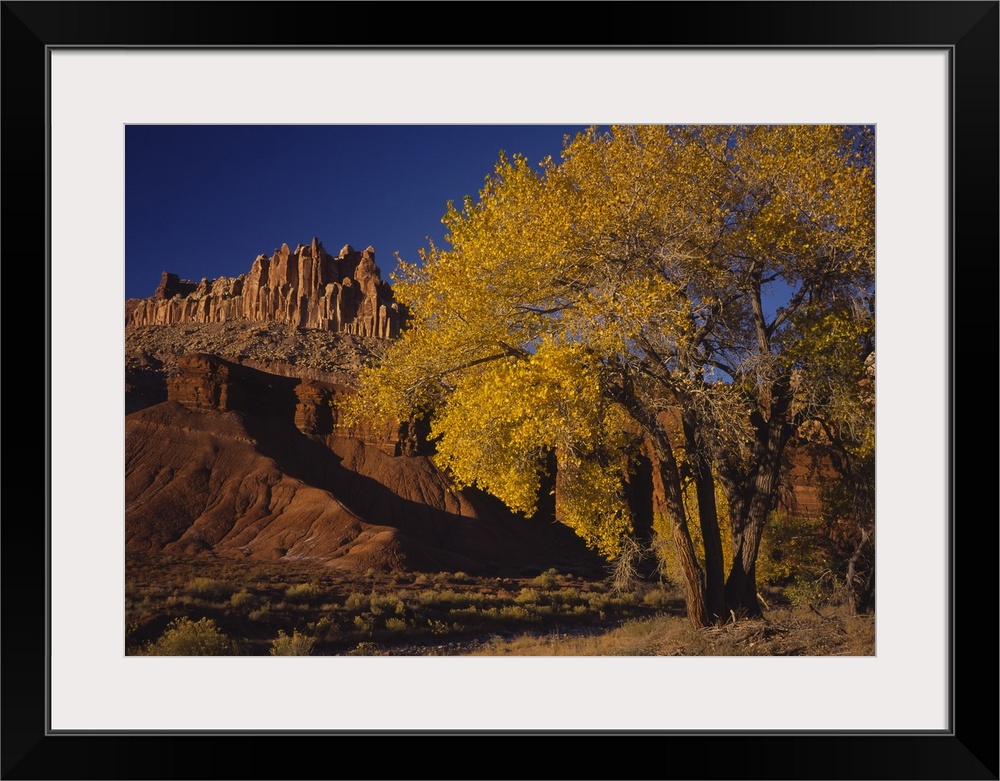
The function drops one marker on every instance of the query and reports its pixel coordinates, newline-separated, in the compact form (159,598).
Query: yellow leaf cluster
(634,266)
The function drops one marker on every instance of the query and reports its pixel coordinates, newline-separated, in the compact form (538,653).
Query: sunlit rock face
(307,288)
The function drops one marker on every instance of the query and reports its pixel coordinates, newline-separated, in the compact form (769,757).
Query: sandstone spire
(306,288)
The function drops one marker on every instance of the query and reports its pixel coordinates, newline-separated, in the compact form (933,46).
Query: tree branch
(538,311)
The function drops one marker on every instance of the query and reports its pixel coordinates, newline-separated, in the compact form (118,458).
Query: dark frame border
(970,30)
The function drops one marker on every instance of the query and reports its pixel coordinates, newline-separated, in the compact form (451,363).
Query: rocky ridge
(305,288)
(152,353)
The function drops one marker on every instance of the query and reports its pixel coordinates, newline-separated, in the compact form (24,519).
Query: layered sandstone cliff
(207,383)
(306,288)
(243,463)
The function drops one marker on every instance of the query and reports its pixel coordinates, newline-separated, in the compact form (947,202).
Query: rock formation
(208,383)
(306,288)
(242,463)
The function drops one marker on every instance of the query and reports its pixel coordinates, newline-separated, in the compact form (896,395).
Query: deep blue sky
(205,200)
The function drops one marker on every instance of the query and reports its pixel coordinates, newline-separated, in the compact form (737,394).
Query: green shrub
(296,645)
(184,637)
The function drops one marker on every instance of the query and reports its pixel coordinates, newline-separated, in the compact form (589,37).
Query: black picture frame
(968,750)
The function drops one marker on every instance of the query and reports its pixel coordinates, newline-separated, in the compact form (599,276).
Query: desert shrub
(567,596)
(302,593)
(548,580)
(242,600)
(260,613)
(184,637)
(386,603)
(805,591)
(471,611)
(515,612)
(357,601)
(657,598)
(395,624)
(448,596)
(321,627)
(296,645)
(208,588)
(528,596)
(366,649)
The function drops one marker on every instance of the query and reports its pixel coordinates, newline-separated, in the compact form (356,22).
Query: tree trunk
(708,515)
(860,580)
(662,456)
(693,575)
(741,586)
(754,496)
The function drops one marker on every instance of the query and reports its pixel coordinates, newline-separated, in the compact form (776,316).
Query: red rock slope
(242,463)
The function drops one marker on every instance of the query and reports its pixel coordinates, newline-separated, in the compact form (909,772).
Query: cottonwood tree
(672,286)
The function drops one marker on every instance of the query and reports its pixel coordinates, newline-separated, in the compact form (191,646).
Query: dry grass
(328,612)
(785,631)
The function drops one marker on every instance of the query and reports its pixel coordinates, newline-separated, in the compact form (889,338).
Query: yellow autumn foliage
(580,298)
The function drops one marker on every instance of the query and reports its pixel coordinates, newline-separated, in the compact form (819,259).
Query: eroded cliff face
(207,383)
(243,463)
(307,288)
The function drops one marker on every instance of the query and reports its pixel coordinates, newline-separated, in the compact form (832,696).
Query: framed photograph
(924,75)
